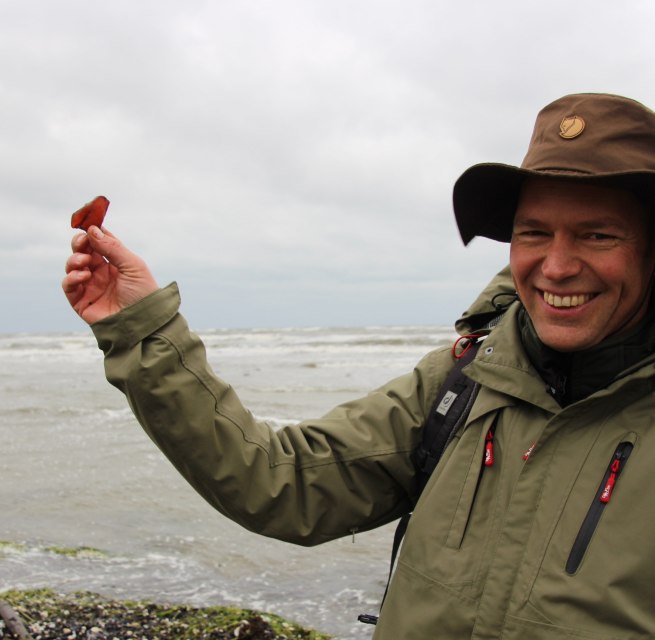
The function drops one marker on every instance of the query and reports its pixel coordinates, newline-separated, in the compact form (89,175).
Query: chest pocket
(601,548)
(448,534)
(473,464)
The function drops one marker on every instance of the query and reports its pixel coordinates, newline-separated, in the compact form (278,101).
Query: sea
(78,472)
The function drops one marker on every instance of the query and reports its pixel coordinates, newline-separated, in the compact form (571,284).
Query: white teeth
(566,301)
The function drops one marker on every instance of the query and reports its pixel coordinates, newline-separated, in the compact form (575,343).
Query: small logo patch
(446,402)
(571,127)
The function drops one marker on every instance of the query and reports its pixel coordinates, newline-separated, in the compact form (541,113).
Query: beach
(78,472)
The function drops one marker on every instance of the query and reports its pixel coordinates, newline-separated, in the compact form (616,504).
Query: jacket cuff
(125,329)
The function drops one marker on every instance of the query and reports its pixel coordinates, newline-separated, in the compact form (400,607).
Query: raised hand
(103,276)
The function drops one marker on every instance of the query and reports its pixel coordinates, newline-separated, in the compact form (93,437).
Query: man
(554,538)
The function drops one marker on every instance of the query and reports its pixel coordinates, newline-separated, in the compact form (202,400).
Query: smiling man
(579,217)
(538,521)
(582,259)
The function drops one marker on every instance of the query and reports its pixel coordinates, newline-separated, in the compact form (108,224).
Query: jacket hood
(494,300)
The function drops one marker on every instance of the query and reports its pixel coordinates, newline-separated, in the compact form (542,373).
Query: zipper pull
(620,456)
(528,453)
(611,481)
(489,449)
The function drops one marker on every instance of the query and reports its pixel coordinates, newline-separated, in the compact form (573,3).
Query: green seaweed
(77,552)
(6,545)
(50,615)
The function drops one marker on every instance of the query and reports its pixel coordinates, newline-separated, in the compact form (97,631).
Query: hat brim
(485,198)
(486,195)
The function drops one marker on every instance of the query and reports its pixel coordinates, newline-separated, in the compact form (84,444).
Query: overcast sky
(288,162)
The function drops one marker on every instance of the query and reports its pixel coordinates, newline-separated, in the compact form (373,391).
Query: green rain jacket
(554,540)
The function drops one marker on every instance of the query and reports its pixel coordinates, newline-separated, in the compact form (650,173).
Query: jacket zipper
(602,498)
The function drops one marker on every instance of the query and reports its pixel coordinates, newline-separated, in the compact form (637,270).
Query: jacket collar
(573,376)
(503,364)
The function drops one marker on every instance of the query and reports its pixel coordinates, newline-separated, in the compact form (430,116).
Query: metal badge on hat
(571,127)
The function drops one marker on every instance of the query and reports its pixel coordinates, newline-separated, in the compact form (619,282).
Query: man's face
(582,261)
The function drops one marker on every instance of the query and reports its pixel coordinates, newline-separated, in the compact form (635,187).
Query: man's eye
(601,236)
(530,233)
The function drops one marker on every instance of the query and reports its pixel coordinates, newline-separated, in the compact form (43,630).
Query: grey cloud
(283,149)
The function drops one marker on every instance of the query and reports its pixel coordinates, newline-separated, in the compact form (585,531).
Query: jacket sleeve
(308,483)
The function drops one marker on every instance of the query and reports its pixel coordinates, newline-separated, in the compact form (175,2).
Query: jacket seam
(448,588)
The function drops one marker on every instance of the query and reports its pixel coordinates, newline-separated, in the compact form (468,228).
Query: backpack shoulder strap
(451,406)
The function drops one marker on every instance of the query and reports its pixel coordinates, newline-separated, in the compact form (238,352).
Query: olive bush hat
(587,137)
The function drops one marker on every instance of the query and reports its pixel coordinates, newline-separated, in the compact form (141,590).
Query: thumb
(111,248)
(133,277)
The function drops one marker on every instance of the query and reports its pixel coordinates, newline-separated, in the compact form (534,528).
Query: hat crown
(592,135)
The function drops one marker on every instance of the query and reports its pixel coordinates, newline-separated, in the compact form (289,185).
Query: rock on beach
(47,615)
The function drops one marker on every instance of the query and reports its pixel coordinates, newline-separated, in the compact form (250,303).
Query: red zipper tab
(607,491)
(489,449)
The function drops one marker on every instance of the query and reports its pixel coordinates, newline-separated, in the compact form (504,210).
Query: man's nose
(561,260)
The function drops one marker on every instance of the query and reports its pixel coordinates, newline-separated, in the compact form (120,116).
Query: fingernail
(97,233)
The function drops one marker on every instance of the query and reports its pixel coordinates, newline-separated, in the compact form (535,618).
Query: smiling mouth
(567,301)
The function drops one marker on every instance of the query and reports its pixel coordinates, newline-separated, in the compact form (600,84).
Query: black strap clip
(367,618)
